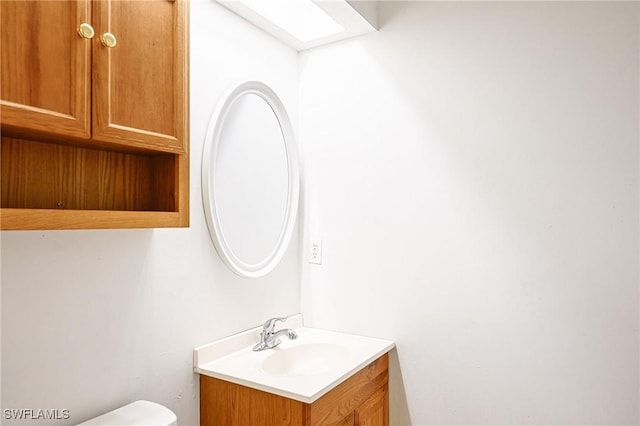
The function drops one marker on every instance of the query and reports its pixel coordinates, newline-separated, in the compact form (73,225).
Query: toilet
(139,413)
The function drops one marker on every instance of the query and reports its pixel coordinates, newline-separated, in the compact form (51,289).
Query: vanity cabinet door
(45,86)
(342,403)
(350,420)
(140,74)
(375,410)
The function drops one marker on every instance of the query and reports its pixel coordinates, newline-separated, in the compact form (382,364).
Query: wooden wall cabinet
(361,400)
(94,136)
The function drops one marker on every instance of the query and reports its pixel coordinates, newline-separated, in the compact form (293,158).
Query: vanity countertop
(302,369)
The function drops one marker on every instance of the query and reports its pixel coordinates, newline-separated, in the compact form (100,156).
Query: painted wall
(473,171)
(92,320)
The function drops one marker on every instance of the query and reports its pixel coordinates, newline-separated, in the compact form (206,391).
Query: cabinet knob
(108,40)
(85,30)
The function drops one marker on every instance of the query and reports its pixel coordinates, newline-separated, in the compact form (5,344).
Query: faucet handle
(271,324)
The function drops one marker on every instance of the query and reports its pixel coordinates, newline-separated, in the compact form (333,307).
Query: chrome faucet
(269,338)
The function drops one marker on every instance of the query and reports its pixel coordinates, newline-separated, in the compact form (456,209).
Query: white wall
(92,320)
(473,171)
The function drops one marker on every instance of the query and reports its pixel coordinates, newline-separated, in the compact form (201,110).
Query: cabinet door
(45,83)
(139,85)
(374,411)
(347,421)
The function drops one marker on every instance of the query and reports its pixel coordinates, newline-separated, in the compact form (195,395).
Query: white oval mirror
(250,179)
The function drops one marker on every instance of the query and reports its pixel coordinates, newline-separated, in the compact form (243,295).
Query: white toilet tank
(139,413)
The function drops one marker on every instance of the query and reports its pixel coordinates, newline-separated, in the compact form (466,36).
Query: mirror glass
(250,179)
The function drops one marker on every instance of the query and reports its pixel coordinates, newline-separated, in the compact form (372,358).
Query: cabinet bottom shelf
(41,219)
(59,186)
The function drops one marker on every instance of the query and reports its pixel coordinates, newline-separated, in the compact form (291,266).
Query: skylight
(303,24)
(302,19)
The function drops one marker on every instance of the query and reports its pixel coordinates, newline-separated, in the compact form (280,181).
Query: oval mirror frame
(210,155)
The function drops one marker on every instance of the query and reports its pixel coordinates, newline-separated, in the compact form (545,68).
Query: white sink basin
(303,369)
(304,359)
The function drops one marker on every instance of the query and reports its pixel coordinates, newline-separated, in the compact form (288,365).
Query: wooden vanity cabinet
(94,136)
(361,400)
